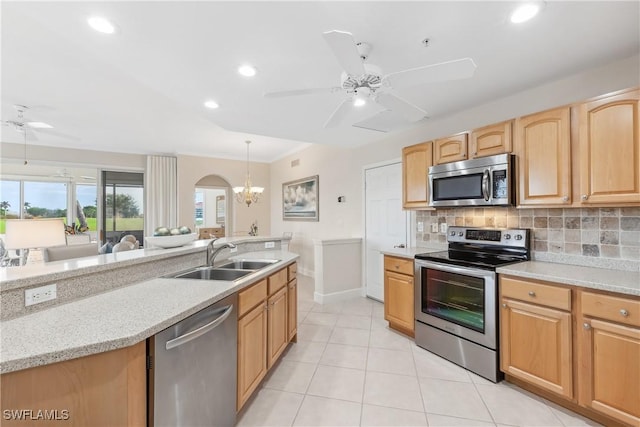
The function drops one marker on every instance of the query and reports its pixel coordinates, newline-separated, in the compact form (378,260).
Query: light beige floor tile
(304,351)
(378,310)
(570,418)
(353,321)
(379,323)
(325,319)
(445,421)
(350,336)
(301,316)
(337,383)
(331,307)
(305,305)
(429,365)
(477,379)
(380,416)
(511,405)
(311,332)
(358,306)
(320,411)
(345,356)
(271,408)
(454,399)
(387,338)
(391,361)
(290,376)
(393,391)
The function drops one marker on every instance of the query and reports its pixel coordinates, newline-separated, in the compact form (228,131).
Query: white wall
(341,170)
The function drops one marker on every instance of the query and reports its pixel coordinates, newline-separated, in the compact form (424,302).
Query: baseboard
(336,296)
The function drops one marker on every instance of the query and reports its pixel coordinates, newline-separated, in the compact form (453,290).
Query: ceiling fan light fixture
(101,25)
(361,96)
(247,70)
(211,104)
(525,12)
(39,125)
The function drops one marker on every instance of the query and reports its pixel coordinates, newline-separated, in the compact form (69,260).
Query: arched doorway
(213,212)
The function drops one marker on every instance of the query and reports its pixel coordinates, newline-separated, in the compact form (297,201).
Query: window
(45,200)
(9,202)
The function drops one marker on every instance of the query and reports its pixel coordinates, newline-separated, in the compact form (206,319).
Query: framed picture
(300,200)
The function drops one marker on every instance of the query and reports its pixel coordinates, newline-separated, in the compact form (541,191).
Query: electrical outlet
(434,228)
(41,294)
(269,245)
(443,228)
(420,227)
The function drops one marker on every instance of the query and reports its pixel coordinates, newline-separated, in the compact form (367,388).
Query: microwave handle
(486,184)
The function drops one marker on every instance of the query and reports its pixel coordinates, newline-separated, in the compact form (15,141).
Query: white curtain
(161,186)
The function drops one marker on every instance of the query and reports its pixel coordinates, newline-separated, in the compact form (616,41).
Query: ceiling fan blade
(400,106)
(56,134)
(444,71)
(384,121)
(344,48)
(296,92)
(339,114)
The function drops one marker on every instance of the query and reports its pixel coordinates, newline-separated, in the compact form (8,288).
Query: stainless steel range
(456,294)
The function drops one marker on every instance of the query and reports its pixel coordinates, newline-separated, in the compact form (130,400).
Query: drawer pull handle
(504,305)
(584,197)
(586,326)
(624,313)
(532,294)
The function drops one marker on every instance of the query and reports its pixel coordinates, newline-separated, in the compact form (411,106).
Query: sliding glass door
(122,206)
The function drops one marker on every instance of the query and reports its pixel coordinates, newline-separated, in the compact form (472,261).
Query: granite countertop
(624,282)
(118,318)
(412,251)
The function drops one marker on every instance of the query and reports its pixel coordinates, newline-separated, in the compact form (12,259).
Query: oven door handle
(447,268)
(486,181)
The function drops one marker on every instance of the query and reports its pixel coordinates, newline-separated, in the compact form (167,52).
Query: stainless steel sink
(249,264)
(211,273)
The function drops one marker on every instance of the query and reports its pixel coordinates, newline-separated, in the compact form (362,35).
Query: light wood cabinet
(536,334)
(609,356)
(543,147)
(450,149)
(264,328)
(416,160)
(491,140)
(105,389)
(609,143)
(399,294)
(292,299)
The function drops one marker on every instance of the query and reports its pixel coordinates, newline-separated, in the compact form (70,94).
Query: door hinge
(149,362)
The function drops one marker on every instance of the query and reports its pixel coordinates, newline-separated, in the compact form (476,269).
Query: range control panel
(516,237)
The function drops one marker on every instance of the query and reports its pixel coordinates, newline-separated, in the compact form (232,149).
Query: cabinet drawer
(292,270)
(399,265)
(249,298)
(537,293)
(277,280)
(615,309)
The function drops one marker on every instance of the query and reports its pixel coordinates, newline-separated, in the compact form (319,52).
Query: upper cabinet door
(610,150)
(416,160)
(491,140)
(451,149)
(543,146)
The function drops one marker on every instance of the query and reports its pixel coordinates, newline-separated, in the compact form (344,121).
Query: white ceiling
(142,89)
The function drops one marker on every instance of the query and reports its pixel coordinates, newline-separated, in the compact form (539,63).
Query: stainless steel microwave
(485,181)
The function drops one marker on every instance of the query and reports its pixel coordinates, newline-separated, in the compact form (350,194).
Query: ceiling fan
(64,173)
(362,82)
(30,127)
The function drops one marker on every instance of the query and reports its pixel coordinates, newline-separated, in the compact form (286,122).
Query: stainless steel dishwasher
(192,380)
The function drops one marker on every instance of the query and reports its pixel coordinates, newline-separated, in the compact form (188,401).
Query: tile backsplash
(601,237)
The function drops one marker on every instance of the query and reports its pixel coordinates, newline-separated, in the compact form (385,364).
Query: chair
(123,246)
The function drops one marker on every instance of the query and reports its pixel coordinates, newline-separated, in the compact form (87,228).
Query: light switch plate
(41,294)
(443,227)
(420,226)
(434,228)
(269,245)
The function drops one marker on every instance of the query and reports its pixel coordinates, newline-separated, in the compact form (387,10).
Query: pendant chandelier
(248,194)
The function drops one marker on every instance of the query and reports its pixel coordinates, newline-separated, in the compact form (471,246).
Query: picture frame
(301,199)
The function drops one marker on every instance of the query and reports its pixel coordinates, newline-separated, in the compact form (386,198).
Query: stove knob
(460,233)
(453,233)
(507,236)
(518,236)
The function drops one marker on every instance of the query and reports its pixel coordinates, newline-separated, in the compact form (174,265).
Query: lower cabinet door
(292,302)
(398,300)
(252,352)
(278,334)
(609,369)
(536,346)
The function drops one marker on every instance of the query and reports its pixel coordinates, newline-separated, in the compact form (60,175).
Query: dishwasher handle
(182,339)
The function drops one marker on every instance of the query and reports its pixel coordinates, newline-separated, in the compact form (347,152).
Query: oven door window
(454,297)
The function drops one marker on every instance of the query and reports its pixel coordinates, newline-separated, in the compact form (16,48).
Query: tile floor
(349,369)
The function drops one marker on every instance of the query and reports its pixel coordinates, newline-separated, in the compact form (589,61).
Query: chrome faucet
(211,252)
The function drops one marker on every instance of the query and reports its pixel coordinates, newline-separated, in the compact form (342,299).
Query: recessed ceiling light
(525,12)
(211,104)
(247,70)
(39,125)
(101,25)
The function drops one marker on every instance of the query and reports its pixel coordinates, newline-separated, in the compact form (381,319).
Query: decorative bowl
(173,241)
